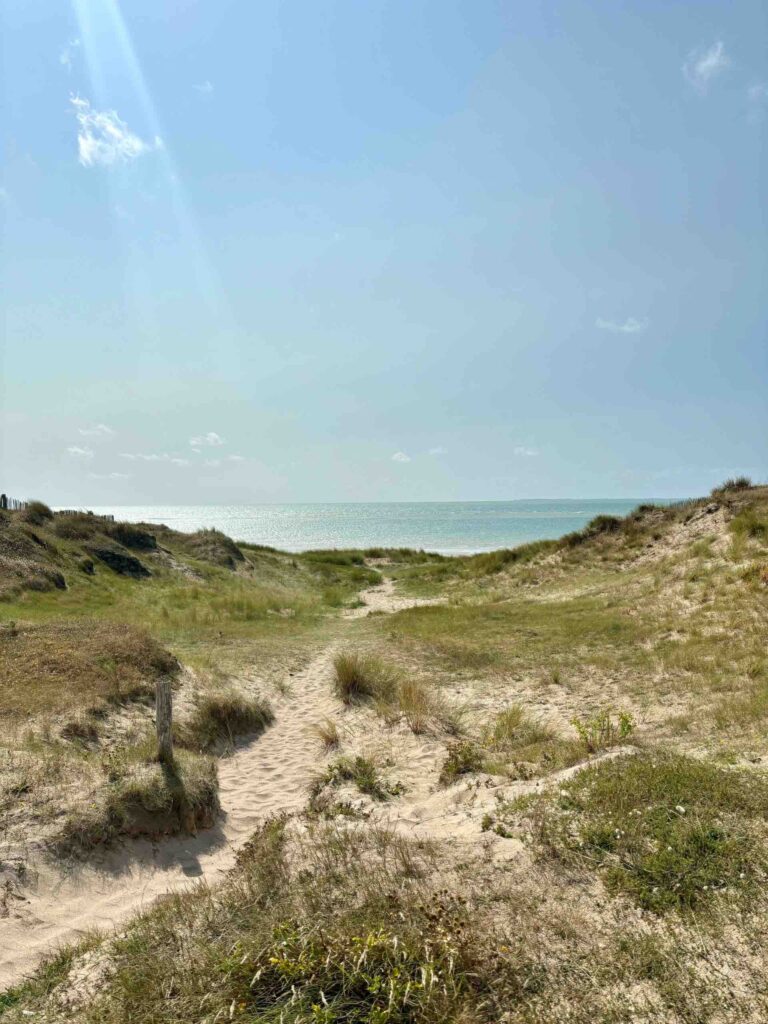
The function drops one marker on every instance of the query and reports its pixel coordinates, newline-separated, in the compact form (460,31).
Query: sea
(448,527)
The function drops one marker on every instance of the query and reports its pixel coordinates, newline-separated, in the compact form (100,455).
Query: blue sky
(413,249)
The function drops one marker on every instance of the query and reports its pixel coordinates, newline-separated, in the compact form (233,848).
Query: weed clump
(463,758)
(359,770)
(601,731)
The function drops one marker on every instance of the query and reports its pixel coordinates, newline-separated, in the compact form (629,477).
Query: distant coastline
(454,528)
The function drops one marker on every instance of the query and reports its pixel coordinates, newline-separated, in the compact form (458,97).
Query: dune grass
(669,831)
(363,677)
(395,695)
(81,664)
(220,717)
(520,746)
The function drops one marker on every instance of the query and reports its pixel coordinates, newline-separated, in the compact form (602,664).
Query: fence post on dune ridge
(164,720)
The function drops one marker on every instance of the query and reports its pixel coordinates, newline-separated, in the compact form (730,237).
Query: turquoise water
(450,527)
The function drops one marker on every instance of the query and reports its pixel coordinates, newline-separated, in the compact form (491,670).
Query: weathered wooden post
(164,720)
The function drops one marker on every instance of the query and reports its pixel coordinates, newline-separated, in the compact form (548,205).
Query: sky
(391,250)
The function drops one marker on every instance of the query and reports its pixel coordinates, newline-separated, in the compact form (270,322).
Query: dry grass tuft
(220,717)
(327,731)
(363,676)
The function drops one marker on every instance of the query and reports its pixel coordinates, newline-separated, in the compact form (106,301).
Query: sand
(269,774)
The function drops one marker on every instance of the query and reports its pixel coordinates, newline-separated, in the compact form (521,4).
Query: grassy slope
(82,645)
(637,890)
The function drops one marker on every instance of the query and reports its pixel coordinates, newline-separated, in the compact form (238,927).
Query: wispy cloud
(99,430)
(630,325)
(204,87)
(704,65)
(79,453)
(209,440)
(4,196)
(522,451)
(235,458)
(401,457)
(110,476)
(103,138)
(438,450)
(175,460)
(66,54)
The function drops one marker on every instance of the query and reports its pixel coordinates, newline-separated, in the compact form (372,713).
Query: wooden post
(163,720)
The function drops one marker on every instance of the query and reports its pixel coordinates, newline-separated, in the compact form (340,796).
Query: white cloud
(103,138)
(79,453)
(524,452)
(401,457)
(438,450)
(65,57)
(110,476)
(630,325)
(235,458)
(209,440)
(174,460)
(204,87)
(212,462)
(703,65)
(4,197)
(99,430)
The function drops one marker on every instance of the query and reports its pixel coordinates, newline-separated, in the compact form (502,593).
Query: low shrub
(143,797)
(131,536)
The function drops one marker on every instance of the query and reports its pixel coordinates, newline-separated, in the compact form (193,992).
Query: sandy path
(382,598)
(267,775)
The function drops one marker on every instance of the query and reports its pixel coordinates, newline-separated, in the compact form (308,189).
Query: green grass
(669,831)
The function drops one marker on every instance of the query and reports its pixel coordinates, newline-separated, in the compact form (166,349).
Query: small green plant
(361,771)
(463,757)
(602,731)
